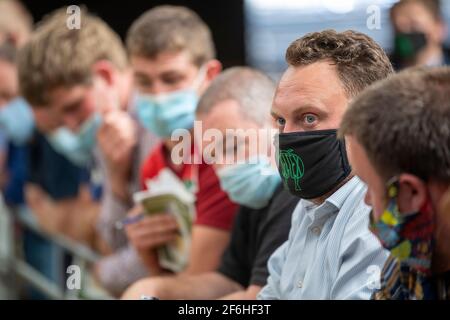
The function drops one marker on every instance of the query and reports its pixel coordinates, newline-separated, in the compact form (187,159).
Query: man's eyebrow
(274,114)
(170,72)
(73,104)
(305,108)
(139,74)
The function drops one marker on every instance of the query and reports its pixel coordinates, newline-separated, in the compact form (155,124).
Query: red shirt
(213,207)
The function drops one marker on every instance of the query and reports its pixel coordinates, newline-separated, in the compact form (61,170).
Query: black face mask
(407,45)
(311,163)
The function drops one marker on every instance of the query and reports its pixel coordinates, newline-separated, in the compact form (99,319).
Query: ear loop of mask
(391,214)
(387,226)
(199,78)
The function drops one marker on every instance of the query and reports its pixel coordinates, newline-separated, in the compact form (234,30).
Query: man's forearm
(206,286)
(249,294)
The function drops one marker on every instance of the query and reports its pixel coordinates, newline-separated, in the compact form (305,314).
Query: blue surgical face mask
(77,147)
(251,184)
(16,119)
(164,113)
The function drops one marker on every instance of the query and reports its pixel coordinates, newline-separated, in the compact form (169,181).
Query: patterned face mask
(409,237)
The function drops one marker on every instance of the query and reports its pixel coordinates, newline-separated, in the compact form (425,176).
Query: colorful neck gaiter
(409,238)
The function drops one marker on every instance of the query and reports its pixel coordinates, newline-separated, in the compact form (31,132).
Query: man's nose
(290,127)
(158,88)
(72,123)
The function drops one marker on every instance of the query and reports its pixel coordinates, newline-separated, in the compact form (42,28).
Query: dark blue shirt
(37,162)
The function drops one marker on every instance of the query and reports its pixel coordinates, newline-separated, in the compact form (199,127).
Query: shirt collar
(333,203)
(338,198)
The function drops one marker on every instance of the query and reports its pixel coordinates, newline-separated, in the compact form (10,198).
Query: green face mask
(407,45)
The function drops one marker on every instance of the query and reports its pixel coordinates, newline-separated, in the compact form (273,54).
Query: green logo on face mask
(291,167)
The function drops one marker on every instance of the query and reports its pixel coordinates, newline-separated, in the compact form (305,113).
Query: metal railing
(14,269)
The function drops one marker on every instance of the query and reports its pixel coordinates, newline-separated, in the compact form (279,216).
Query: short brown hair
(403,123)
(170,29)
(59,56)
(432,6)
(359,60)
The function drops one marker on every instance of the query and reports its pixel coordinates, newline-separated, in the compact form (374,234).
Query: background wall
(225,18)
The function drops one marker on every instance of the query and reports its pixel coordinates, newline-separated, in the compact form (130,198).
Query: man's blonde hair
(171,29)
(58,56)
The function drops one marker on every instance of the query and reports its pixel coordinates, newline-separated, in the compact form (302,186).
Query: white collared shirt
(330,253)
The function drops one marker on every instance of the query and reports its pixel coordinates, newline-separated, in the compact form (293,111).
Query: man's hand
(117,137)
(150,233)
(44,209)
(74,217)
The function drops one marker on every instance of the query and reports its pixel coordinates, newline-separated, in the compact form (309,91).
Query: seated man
(238,99)
(399,144)
(173,59)
(330,247)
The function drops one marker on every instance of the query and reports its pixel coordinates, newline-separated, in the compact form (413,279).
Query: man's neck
(441,263)
(321,199)
(441,253)
(440,200)
(432,56)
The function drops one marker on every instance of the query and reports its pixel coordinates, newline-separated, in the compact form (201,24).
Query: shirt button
(300,284)
(316,230)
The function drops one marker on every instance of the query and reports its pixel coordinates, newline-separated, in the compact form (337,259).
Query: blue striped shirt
(330,253)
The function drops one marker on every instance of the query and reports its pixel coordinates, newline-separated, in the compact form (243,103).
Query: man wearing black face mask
(408,179)
(330,253)
(420,32)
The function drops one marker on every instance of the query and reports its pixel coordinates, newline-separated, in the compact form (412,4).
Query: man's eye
(143,84)
(172,80)
(281,122)
(310,119)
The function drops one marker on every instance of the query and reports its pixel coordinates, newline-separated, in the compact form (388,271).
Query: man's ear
(441,32)
(213,68)
(412,193)
(105,70)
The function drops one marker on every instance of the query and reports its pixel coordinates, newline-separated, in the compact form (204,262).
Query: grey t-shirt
(124,266)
